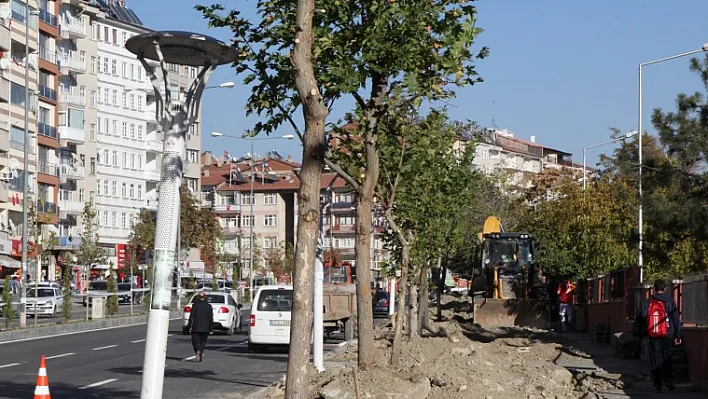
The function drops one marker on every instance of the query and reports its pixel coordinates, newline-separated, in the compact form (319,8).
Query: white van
(270,317)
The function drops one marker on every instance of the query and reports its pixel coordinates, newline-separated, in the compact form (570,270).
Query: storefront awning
(8,261)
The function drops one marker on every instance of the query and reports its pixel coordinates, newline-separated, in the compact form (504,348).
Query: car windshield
(124,287)
(211,299)
(42,292)
(275,301)
(98,286)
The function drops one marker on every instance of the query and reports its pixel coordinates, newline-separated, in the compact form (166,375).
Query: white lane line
(137,341)
(169,335)
(98,384)
(58,356)
(104,347)
(9,365)
(186,359)
(342,343)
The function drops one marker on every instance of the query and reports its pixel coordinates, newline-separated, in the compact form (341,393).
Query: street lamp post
(252,200)
(640,215)
(175,117)
(621,138)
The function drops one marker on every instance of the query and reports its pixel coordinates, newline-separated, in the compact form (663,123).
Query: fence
(695,300)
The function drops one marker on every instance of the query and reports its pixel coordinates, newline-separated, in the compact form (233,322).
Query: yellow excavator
(507,284)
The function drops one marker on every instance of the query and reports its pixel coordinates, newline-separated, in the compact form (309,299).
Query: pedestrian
(661,319)
(566,291)
(201,324)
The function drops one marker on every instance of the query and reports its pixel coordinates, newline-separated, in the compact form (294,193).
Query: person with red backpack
(660,318)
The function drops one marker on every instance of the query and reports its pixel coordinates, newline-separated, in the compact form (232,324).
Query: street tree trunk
(401,303)
(423,311)
(313,152)
(441,288)
(413,310)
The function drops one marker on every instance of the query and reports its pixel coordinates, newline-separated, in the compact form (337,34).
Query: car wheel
(54,312)
(231,329)
(253,348)
(185,331)
(239,329)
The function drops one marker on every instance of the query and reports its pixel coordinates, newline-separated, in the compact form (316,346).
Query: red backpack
(657,320)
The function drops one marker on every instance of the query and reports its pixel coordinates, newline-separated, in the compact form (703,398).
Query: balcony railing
(48,55)
(47,168)
(71,26)
(46,207)
(46,130)
(47,17)
(231,230)
(69,242)
(152,175)
(344,228)
(72,98)
(69,60)
(71,207)
(226,208)
(72,134)
(71,172)
(47,93)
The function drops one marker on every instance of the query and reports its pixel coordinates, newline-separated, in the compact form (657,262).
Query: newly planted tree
(7,312)
(112,300)
(357,52)
(67,305)
(89,251)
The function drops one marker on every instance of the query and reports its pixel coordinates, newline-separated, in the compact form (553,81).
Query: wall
(695,339)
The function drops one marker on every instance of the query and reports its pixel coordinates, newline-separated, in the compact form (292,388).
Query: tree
(7,312)
(67,306)
(207,233)
(112,300)
(89,251)
(280,260)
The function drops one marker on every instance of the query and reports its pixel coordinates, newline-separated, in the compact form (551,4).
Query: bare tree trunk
(423,311)
(365,317)
(441,288)
(413,310)
(400,305)
(313,153)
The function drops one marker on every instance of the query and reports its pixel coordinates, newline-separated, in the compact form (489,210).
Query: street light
(621,138)
(640,215)
(175,115)
(225,85)
(252,164)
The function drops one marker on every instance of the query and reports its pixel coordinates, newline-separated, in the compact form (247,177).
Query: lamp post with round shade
(174,115)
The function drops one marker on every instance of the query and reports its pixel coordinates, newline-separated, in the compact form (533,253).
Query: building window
(132,101)
(270,242)
(270,221)
(247,220)
(115,158)
(106,160)
(114,219)
(98,186)
(123,220)
(125,130)
(246,242)
(246,199)
(92,100)
(115,36)
(140,192)
(124,160)
(81,195)
(17,94)
(192,184)
(114,188)
(115,98)
(270,199)
(93,166)
(132,161)
(115,128)
(106,95)
(124,190)
(105,64)
(125,100)
(192,156)
(132,191)
(140,132)
(104,218)
(132,131)
(105,188)
(140,162)
(114,67)
(92,132)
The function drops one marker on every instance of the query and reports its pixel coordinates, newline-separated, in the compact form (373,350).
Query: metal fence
(695,299)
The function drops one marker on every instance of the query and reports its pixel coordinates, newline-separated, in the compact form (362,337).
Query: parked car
(123,292)
(381,303)
(96,288)
(227,313)
(14,296)
(44,301)
(270,317)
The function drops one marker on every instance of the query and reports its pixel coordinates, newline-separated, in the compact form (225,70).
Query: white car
(270,317)
(227,313)
(48,301)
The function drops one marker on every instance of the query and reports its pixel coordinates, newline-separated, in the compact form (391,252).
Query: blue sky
(563,71)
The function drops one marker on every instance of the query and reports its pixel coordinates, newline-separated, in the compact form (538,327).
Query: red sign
(122,255)
(17,248)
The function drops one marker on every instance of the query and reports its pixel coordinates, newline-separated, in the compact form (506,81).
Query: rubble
(464,361)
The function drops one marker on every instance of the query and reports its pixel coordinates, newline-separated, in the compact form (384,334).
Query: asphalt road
(108,364)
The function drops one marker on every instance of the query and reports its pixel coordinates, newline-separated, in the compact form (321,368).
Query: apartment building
(273,209)
(500,152)
(93,135)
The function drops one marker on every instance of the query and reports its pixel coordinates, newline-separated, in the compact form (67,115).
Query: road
(108,364)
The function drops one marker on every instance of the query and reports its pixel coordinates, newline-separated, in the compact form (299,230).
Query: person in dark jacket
(660,347)
(200,325)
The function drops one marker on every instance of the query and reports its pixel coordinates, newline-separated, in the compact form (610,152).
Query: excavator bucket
(511,312)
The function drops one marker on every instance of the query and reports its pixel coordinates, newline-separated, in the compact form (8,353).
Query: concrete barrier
(74,327)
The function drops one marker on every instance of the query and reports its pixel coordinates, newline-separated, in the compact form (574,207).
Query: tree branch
(338,170)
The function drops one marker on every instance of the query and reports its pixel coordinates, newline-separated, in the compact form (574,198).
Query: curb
(45,331)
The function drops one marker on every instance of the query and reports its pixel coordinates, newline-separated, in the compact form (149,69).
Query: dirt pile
(463,361)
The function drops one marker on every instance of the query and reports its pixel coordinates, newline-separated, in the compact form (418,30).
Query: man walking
(661,318)
(566,289)
(201,323)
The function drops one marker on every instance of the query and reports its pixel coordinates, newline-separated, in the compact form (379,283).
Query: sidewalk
(603,362)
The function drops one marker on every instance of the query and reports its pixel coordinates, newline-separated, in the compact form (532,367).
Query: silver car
(45,301)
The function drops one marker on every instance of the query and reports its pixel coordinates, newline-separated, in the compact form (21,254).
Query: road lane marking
(186,359)
(58,356)
(104,347)
(9,365)
(342,343)
(137,341)
(98,384)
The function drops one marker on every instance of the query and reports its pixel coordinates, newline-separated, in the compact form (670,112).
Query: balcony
(48,17)
(68,242)
(72,172)
(339,207)
(70,97)
(47,55)
(151,175)
(4,38)
(231,230)
(4,139)
(71,134)
(72,28)
(4,89)
(68,207)
(4,193)
(113,232)
(46,130)
(69,62)
(46,207)
(344,228)
(47,168)
(154,146)
(46,92)
(227,208)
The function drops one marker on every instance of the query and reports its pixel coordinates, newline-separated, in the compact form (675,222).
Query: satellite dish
(5,11)
(14,164)
(4,64)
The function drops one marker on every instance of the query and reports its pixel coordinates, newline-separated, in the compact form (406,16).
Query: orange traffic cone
(41,391)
